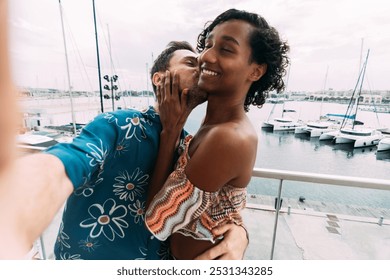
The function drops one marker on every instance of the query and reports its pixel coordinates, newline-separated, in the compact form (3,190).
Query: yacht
(360,138)
(282,124)
(384,144)
(316,128)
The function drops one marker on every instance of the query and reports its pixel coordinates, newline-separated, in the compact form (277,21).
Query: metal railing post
(278,205)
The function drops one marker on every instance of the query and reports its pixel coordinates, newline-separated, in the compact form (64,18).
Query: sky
(329,39)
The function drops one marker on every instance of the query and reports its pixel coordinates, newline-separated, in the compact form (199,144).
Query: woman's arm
(173,111)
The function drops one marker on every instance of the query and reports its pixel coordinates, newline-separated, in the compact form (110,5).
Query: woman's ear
(258,71)
(156,79)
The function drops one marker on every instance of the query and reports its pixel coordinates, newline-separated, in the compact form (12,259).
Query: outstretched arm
(8,111)
(33,188)
(31,193)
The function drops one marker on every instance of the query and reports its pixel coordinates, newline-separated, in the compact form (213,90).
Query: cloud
(321,33)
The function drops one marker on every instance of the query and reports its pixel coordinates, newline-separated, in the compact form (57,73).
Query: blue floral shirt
(110,164)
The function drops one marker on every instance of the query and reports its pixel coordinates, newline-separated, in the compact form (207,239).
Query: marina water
(286,151)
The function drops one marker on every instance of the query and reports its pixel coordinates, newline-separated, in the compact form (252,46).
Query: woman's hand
(172,104)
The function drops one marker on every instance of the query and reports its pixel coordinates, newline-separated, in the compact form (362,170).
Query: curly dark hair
(161,63)
(267,48)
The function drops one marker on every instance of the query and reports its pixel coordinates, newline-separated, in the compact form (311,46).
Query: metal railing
(283,175)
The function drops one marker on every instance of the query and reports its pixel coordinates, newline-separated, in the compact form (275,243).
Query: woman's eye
(226,49)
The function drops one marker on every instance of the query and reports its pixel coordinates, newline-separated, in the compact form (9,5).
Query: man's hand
(232,247)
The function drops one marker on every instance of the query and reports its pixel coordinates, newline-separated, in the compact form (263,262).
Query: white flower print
(144,253)
(86,189)
(106,219)
(151,114)
(128,187)
(121,148)
(137,210)
(89,244)
(134,128)
(62,238)
(97,154)
(111,118)
(67,256)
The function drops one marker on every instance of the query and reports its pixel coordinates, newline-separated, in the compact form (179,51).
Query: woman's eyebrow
(225,38)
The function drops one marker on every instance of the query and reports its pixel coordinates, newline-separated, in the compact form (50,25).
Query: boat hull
(330,135)
(384,144)
(359,138)
(281,124)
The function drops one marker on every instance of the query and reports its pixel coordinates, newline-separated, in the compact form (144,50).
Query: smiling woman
(241,59)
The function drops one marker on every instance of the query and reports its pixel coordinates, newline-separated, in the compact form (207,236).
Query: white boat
(354,133)
(40,140)
(34,142)
(282,124)
(316,128)
(361,137)
(384,144)
(384,130)
(330,135)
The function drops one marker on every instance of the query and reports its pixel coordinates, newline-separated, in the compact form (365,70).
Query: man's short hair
(161,64)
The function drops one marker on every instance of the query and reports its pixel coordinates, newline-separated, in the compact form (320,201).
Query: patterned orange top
(182,207)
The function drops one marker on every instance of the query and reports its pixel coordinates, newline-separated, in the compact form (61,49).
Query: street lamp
(112,87)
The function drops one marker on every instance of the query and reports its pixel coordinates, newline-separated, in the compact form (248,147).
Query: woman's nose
(208,55)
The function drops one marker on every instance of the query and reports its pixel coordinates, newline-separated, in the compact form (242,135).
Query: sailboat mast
(361,54)
(98,58)
(67,69)
(285,88)
(361,85)
(323,93)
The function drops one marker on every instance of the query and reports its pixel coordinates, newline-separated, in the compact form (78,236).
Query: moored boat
(316,129)
(282,124)
(384,144)
(363,137)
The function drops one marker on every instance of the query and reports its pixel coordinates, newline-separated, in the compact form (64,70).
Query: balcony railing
(282,175)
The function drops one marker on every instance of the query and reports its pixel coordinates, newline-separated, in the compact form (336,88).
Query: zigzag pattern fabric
(182,207)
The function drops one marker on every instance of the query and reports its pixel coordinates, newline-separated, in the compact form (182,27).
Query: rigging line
(373,99)
(74,44)
(361,84)
(112,65)
(123,78)
(108,49)
(351,101)
(113,68)
(67,70)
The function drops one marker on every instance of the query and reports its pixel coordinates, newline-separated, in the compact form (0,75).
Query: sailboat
(317,128)
(283,123)
(353,134)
